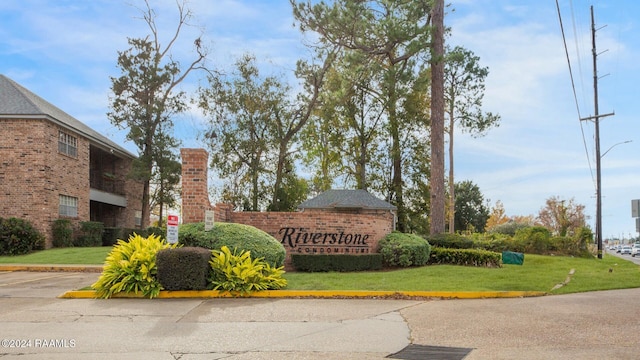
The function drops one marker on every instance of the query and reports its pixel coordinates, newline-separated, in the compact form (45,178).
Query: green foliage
(453,241)
(131,267)
(238,272)
(471,214)
(465,257)
(18,236)
(404,250)
(185,268)
(333,262)
(158,231)
(534,239)
(62,233)
(508,228)
(90,234)
(111,235)
(234,236)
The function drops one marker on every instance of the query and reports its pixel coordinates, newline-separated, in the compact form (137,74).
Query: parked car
(635,249)
(626,249)
(618,248)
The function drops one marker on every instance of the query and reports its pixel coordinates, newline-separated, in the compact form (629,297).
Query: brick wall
(310,231)
(33,174)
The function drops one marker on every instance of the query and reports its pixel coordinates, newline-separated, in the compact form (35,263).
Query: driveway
(39,325)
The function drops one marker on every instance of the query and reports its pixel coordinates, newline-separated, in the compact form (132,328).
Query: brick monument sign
(335,222)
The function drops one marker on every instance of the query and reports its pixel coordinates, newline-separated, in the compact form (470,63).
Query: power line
(573,87)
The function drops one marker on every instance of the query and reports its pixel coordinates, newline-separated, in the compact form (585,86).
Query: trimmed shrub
(465,257)
(234,236)
(398,249)
(185,268)
(158,231)
(451,241)
(131,267)
(111,235)
(332,262)
(237,271)
(90,234)
(18,237)
(62,233)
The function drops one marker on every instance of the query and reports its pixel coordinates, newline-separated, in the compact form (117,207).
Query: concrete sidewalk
(598,325)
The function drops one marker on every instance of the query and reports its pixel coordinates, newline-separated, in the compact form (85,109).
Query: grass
(59,256)
(539,273)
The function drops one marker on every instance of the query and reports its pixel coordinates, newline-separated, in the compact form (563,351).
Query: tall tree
(437,188)
(165,177)
(562,217)
(497,216)
(254,124)
(471,210)
(343,137)
(289,124)
(391,35)
(241,108)
(463,93)
(145,96)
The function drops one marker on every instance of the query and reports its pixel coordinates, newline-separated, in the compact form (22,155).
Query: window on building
(68,206)
(67,144)
(138,218)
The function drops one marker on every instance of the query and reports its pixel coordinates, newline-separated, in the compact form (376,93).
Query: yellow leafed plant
(238,272)
(131,267)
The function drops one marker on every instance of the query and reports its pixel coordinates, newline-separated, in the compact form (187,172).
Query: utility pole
(596,119)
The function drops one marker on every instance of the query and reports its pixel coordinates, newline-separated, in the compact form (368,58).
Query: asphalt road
(35,324)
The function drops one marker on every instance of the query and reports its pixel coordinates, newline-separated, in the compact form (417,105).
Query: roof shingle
(18,101)
(346,199)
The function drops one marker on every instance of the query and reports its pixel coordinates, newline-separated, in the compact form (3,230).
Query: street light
(614,145)
(599,190)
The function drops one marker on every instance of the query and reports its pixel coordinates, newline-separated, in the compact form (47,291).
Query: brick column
(195,191)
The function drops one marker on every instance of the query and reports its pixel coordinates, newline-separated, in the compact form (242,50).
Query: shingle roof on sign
(346,199)
(18,101)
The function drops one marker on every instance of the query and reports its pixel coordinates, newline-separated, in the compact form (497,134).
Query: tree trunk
(452,193)
(437,121)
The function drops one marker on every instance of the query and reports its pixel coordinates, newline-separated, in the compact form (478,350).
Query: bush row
(531,240)
(465,257)
(88,234)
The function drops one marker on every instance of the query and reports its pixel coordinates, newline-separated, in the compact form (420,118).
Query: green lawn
(539,273)
(77,255)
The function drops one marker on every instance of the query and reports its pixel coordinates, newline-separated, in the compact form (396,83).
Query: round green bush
(405,250)
(18,237)
(234,236)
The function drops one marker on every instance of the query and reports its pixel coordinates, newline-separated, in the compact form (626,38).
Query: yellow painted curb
(325,294)
(52,268)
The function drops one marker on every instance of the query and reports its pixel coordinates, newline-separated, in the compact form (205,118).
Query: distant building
(53,166)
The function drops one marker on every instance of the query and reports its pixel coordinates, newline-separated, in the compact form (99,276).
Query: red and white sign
(172,229)
(172,220)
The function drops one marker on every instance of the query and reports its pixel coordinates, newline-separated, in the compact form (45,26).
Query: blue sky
(65,51)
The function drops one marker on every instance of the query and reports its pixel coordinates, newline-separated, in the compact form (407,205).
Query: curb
(297,294)
(317,294)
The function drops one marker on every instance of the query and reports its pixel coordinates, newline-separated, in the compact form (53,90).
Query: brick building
(337,221)
(53,166)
